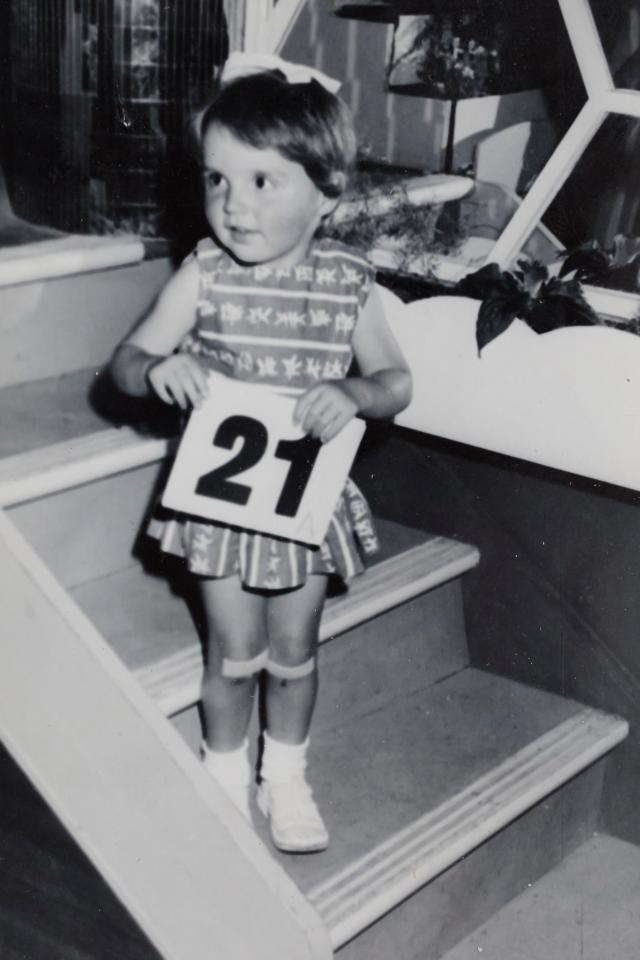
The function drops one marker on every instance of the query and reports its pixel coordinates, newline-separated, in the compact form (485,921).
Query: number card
(242,461)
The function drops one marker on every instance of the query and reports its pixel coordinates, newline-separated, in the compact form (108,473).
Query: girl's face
(262,207)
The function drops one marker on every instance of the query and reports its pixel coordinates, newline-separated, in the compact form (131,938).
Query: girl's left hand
(324,410)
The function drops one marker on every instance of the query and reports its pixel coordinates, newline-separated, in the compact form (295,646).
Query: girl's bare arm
(382,390)
(145,361)
(384,387)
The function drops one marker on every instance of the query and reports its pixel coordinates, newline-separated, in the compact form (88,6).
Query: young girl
(267,302)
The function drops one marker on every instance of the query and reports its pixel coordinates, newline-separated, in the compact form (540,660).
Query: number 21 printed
(277,480)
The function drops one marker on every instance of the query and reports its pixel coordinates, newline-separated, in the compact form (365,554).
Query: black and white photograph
(322,310)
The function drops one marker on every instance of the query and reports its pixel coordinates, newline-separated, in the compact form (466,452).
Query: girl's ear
(327,206)
(338,183)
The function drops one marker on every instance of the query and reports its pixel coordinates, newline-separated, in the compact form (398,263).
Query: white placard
(242,461)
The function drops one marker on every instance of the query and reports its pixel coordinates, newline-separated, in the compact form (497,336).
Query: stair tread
(586,907)
(454,763)
(49,423)
(153,632)
(47,411)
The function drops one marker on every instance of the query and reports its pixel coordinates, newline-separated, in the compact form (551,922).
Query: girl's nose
(234,199)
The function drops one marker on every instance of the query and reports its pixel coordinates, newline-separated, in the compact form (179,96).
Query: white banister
(261,25)
(547,185)
(587,47)
(173,848)
(626,102)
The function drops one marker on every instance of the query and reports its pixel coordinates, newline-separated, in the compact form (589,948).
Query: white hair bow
(245,64)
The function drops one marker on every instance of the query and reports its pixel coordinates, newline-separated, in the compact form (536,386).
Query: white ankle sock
(282,761)
(231,771)
(232,766)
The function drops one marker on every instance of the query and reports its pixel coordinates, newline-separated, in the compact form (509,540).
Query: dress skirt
(270,563)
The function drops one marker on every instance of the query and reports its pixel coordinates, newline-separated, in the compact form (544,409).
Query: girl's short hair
(303,121)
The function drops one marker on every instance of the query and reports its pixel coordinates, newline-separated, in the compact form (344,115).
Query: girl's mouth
(242,233)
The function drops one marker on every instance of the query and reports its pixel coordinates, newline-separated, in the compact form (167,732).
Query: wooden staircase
(447,790)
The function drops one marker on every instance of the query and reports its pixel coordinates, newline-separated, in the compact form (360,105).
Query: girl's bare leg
(235,635)
(293,620)
(284,795)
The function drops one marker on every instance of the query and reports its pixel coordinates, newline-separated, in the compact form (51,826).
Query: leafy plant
(616,267)
(412,231)
(545,303)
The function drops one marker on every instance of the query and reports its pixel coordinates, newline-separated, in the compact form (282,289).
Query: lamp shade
(373,11)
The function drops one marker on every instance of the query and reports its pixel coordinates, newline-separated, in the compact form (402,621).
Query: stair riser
(404,649)
(52,327)
(90,531)
(447,909)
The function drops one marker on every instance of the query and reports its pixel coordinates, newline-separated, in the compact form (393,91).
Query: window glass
(599,205)
(618,24)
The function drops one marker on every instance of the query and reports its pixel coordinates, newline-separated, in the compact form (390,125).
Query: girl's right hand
(178,378)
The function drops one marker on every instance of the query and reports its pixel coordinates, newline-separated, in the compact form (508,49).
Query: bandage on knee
(285,672)
(239,669)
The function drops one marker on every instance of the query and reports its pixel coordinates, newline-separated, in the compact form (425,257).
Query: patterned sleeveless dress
(288,328)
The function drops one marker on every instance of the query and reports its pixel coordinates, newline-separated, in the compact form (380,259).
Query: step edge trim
(409,876)
(67,256)
(432,832)
(71,463)
(453,808)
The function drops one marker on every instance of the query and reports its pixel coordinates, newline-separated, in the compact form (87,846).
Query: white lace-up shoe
(294,819)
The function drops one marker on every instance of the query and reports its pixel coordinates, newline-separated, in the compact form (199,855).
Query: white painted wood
(434,188)
(547,185)
(397,580)
(71,463)
(569,399)
(282,20)
(164,836)
(257,14)
(174,682)
(585,39)
(621,101)
(234,12)
(613,303)
(65,257)
(369,887)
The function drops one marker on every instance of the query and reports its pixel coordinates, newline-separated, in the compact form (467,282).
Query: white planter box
(569,399)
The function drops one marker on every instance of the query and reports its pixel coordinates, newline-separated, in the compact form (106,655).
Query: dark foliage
(527,293)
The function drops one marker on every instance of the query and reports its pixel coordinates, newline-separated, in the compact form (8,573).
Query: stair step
(51,327)
(140,616)
(586,907)
(397,868)
(42,412)
(66,256)
(69,463)
(475,750)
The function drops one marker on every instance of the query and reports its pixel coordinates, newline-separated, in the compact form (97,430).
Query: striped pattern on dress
(287,329)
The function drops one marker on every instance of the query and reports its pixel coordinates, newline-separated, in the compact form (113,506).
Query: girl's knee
(237,670)
(238,655)
(292,650)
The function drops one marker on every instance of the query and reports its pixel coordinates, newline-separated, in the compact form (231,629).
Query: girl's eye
(212,179)
(261,181)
